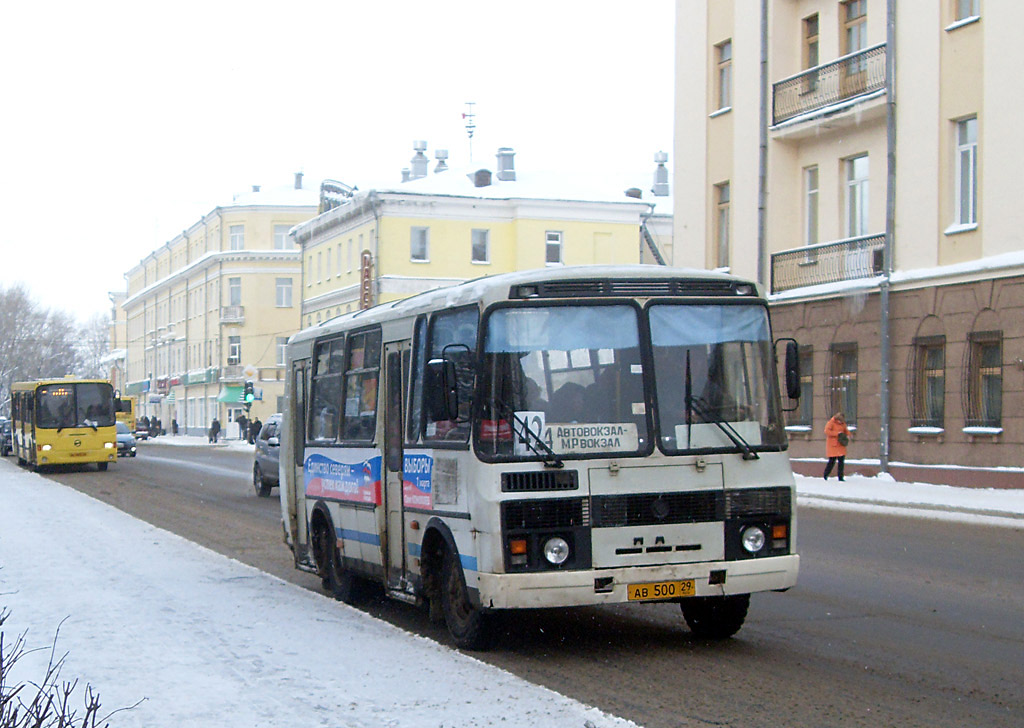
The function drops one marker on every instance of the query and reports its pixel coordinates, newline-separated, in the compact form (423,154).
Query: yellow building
(904,282)
(443,227)
(213,308)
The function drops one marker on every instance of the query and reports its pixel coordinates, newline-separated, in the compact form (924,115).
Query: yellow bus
(126,412)
(62,421)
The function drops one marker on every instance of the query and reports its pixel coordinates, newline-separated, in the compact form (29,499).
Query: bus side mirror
(792,370)
(441,391)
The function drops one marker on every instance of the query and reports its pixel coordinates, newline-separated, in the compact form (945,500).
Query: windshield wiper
(541,448)
(697,405)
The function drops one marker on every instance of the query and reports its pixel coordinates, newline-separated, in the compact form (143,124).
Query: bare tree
(94,346)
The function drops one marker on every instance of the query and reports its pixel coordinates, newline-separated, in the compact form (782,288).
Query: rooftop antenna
(469,117)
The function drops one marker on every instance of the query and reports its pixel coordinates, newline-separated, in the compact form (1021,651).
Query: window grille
(983,379)
(842,383)
(927,385)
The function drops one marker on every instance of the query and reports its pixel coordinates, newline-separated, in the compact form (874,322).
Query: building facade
(446,227)
(903,280)
(213,308)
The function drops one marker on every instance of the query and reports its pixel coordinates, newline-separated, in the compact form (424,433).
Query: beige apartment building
(443,226)
(213,308)
(903,282)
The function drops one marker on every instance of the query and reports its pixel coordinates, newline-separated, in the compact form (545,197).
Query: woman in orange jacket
(837,435)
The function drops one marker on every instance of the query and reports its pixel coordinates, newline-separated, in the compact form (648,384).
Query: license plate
(660,590)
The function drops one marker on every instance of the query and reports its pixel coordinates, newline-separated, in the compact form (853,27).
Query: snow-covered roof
(284,196)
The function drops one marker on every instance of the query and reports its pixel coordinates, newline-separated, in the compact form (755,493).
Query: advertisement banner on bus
(418,469)
(357,481)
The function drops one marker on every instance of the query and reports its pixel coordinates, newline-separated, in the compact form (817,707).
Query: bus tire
(102,466)
(715,618)
(337,580)
(468,625)
(261,486)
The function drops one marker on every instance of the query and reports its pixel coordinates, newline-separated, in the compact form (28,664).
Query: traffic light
(249,394)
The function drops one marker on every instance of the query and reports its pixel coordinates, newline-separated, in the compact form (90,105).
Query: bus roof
(645,281)
(22,386)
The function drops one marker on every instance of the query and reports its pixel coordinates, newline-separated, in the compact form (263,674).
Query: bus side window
(362,372)
(326,395)
(453,336)
(419,364)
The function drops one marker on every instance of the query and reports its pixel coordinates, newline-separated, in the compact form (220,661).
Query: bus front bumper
(609,586)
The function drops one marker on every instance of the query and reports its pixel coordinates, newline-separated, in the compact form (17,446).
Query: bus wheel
(102,466)
(338,580)
(468,625)
(261,487)
(715,618)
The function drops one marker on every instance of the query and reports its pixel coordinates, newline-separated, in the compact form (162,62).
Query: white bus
(548,438)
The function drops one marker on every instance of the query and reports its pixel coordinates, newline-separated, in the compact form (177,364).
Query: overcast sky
(123,123)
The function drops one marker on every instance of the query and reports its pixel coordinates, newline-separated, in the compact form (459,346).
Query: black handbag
(843,439)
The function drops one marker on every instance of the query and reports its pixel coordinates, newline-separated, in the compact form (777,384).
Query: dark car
(125,441)
(6,437)
(268,450)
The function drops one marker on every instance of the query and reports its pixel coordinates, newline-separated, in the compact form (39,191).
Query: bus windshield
(562,380)
(715,384)
(81,404)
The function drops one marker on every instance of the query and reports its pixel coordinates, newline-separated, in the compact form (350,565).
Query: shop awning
(230,393)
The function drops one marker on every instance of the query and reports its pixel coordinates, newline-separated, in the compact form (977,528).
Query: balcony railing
(232,314)
(846,78)
(814,265)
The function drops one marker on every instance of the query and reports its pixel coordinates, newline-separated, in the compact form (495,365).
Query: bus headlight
(108,445)
(753,539)
(556,550)
(47,448)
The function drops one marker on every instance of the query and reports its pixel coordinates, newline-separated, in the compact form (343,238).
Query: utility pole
(890,230)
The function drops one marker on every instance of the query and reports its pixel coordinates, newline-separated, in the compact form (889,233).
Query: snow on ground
(203,640)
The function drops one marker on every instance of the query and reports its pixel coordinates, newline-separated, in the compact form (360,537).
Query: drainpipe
(890,228)
(762,157)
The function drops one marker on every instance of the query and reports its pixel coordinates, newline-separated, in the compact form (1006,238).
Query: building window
(928,388)
(481,243)
(329,251)
(722,196)
(234,291)
(984,385)
(281,240)
(967,172)
(854,38)
(553,248)
(723,54)
(967,9)
(234,350)
(319,266)
(282,350)
(339,260)
(419,244)
(857,196)
(284,292)
(810,205)
(236,237)
(350,249)
(811,41)
(842,382)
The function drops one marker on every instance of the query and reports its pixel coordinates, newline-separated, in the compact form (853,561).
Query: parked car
(125,441)
(141,430)
(6,437)
(268,452)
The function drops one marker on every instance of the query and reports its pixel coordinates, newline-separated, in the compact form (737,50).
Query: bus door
(296,521)
(396,366)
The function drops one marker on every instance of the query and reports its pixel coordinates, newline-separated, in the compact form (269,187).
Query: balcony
(842,80)
(232,371)
(815,265)
(232,314)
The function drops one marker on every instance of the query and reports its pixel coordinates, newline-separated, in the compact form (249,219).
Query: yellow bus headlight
(108,445)
(47,448)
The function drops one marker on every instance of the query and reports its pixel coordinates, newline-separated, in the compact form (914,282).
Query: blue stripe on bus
(469,563)
(349,534)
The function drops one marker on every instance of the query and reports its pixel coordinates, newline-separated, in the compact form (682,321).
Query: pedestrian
(174,427)
(837,437)
(254,430)
(214,430)
(243,431)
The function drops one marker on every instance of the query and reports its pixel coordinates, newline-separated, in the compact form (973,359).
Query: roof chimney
(441,155)
(506,164)
(660,188)
(298,180)
(419,160)
(255,188)
(635,193)
(481,178)
(406,174)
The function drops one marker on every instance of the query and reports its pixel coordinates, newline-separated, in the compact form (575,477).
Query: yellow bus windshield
(79,404)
